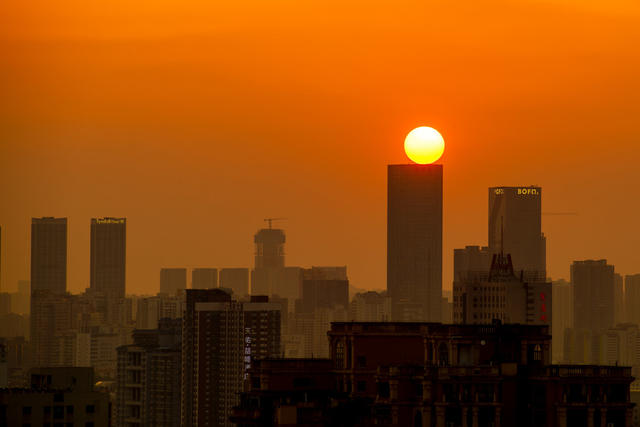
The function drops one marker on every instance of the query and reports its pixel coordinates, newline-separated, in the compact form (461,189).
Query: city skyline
(512,108)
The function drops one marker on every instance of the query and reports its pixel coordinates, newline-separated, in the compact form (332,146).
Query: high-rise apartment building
(414,241)
(204,278)
(593,294)
(193,332)
(515,227)
(173,280)
(49,254)
(262,330)
(149,375)
(51,315)
(236,279)
(108,256)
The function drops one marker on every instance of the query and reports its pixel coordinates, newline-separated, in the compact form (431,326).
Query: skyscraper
(108,256)
(632,298)
(172,280)
(414,241)
(515,228)
(593,294)
(49,254)
(204,278)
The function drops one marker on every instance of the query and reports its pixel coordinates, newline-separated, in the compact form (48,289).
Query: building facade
(108,256)
(414,241)
(49,254)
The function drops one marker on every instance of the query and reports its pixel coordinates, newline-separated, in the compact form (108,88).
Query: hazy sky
(197,119)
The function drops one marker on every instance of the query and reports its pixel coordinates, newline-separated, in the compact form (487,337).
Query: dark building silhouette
(56,396)
(49,254)
(515,227)
(173,280)
(593,293)
(51,316)
(204,278)
(323,293)
(262,329)
(432,374)
(268,273)
(108,256)
(226,332)
(482,298)
(414,241)
(632,298)
(149,377)
(236,279)
(471,261)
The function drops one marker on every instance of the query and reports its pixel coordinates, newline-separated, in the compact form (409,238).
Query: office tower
(502,296)
(235,279)
(108,256)
(269,261)
(204,278)
(192,327)
(262,329)
(149,377)
(562,316)
(593,294)
(370,307)
(632,298)
(414,241)
(49,254)
(515,228)
(173,280)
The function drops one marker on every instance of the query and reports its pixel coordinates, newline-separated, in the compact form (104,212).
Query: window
(26,410)
(88,424)
(69,410)
(383,390)
(90,409)
(362,361)
(362,386)
(58,412)
(339,355)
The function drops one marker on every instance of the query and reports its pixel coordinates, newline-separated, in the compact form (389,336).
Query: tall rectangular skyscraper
(108,256)
(172,280)
(414,241)
(49,254)
(515,228)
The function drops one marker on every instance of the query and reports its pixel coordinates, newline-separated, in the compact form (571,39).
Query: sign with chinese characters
(247,351)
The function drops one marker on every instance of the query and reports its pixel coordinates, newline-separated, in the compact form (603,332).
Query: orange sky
(196,119)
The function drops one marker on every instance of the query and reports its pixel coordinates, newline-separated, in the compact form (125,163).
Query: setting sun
(424,145)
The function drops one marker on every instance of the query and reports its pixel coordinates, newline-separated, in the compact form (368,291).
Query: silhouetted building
(51,316)
(503,296)
(108,256)
(515,227)
(562,316)
(204,278)
(318,291)
(173,280)
(236,279)
(149,377)
(430,374)
(5,303)
(268,271)
(194,357)
(632,298)
(370,307)
(472,260)
(20,301)
(618,299)
(49,254)
(414,241)
(594,294)
(57,396)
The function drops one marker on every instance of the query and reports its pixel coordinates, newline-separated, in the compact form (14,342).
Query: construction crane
(270,220)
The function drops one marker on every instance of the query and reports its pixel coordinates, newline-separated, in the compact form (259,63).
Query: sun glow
(424,145)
